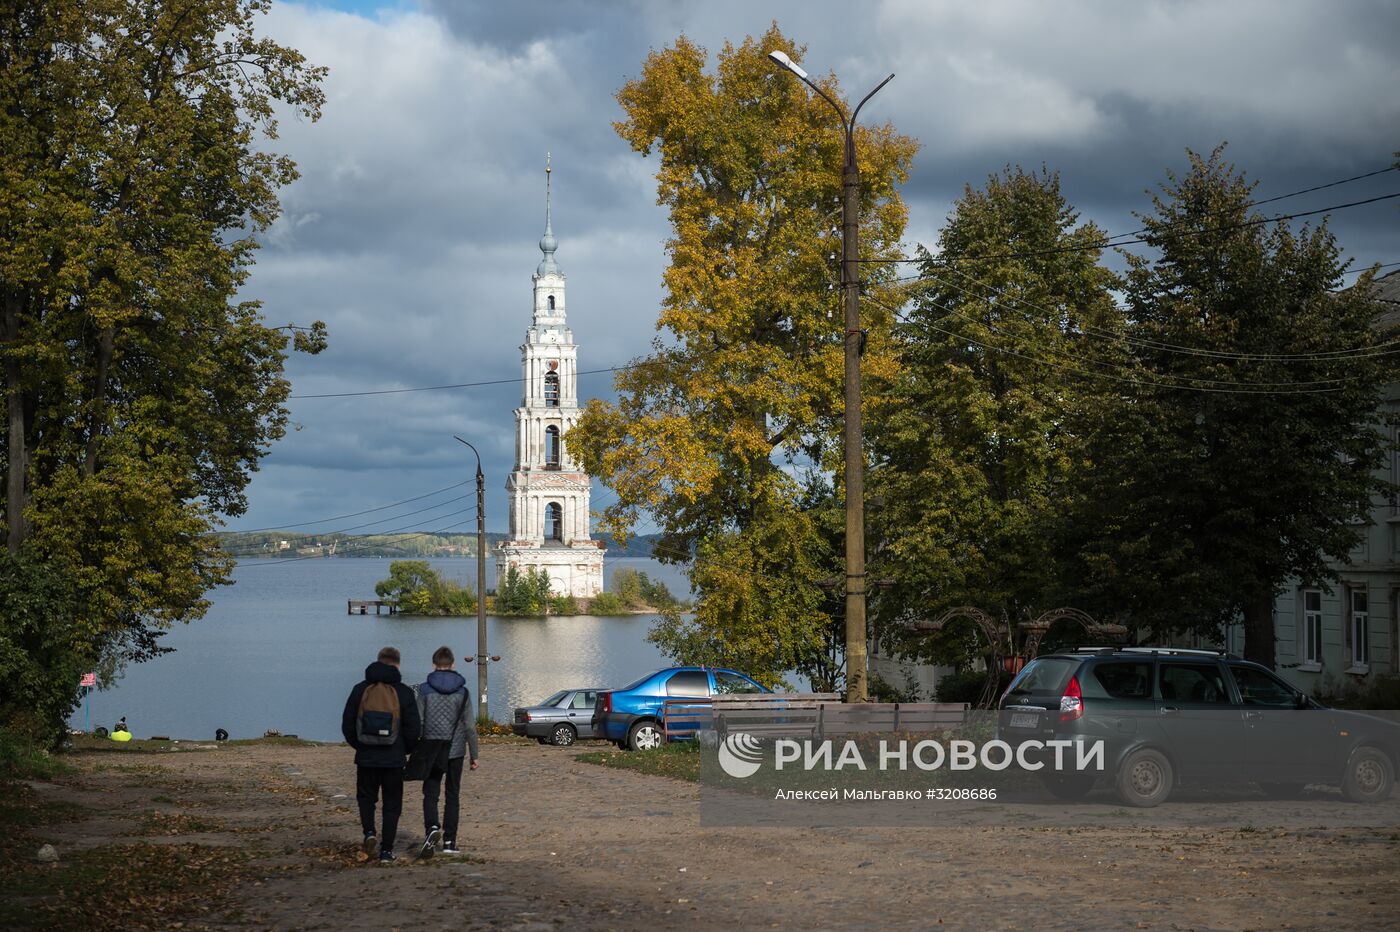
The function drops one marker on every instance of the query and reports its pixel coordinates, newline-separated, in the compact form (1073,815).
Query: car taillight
(604,703)
(1071,703)
(529,717)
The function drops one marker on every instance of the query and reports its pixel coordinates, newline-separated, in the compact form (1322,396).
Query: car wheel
(1145,778)
(1064,786)
(644,736)
(1369,776)
(1282,790)
(563,735)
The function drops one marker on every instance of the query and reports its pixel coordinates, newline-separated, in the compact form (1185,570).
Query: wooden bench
(822,718)
(682,717)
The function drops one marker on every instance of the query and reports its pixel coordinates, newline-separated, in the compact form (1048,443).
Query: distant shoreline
(286,545)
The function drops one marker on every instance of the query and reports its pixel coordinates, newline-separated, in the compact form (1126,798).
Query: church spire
(547,242)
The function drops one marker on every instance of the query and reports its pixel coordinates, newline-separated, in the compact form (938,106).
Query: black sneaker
(387,857)
(450,847)
(370,846)
(430,843)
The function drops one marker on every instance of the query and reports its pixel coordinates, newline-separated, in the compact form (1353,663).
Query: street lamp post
(482,660)
(856,679)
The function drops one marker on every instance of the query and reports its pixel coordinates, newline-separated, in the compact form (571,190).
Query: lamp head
(783,61)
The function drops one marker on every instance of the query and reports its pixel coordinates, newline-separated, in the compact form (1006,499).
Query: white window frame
(1359,617)
(1312,628)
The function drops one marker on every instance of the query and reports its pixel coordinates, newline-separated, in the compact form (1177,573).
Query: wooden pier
(362,606)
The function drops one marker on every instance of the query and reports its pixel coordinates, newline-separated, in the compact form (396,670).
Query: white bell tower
(549,512)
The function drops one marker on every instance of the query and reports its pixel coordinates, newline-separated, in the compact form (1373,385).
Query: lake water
(278,651)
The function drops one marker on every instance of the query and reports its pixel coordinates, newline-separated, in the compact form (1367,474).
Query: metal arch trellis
(998,637)
(1003,649)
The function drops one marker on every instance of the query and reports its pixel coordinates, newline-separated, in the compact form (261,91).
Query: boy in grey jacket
(449,727)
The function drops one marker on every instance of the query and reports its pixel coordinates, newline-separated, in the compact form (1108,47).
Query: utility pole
(482,659)
(857,684)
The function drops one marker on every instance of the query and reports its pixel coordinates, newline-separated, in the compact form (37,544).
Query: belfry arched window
(551,389)
(551,445)
(553,521)
(551,302)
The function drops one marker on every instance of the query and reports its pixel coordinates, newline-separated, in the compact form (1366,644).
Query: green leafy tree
(978,441)
(745,377)
(637,590)
(1249,458)
(523,593)
(418,589)
(139,392)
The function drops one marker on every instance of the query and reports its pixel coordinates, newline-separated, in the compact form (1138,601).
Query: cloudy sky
(413,229)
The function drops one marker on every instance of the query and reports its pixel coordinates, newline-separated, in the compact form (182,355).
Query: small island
(413,587)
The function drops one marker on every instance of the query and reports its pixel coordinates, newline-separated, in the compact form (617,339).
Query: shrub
(966,685)
(44,651)
(1380,693)
(563,605)
(607,603)
(881,690)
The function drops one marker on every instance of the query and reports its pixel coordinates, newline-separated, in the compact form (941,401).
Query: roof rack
(1155,650)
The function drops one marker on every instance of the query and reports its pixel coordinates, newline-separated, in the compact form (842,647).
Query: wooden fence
(808,715)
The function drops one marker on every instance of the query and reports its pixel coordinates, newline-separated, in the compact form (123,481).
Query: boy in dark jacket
(379,762)
(449,727)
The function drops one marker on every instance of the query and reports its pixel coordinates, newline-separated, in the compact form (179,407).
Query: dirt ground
(552,842)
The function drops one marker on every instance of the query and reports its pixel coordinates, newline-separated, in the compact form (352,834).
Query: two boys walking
(386,722)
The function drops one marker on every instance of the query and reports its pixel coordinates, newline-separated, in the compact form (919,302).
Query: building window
(1360,628)
(551,445)
(553,521)
(551,302)
(1312,626)
(551,389)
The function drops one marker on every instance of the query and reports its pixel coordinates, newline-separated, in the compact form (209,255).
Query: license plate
(1024,719)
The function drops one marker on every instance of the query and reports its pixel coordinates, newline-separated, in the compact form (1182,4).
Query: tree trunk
(1259,629)
(15,449)
(99,400)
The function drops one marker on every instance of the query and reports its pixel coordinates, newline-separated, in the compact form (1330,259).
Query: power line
(372,545)
(1185,378)
(282,527)
(1330,184)
(365,546)
(408,514)
(437,388)
(1103,375)
(1379,349)
(1128,239)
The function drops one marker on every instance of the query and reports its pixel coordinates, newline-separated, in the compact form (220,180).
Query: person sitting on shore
(381,723)
(448,726)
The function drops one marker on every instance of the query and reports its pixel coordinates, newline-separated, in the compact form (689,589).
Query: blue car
(631,717)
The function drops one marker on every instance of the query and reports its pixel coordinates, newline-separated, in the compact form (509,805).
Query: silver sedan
(561,719)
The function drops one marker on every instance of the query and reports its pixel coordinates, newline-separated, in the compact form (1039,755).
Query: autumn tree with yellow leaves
(740,399)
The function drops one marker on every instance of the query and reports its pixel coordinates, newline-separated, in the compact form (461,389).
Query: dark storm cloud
(413,229)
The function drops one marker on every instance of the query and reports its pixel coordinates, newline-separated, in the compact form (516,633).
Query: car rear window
(1044,675)
(692,683)
(1125,679)
(554,699)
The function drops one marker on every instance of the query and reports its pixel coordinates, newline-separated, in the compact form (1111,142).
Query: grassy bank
(679,760)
